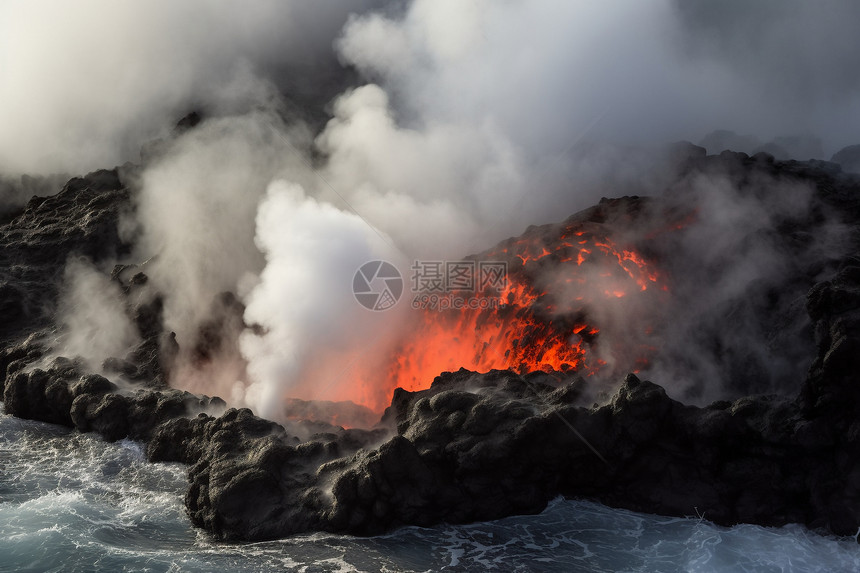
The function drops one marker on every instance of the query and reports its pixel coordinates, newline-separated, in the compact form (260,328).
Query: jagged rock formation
(472,446)
(848,158)
(802,147)
(92,403)
(80,220)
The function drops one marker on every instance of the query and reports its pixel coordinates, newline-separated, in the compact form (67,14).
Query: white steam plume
(312,327)
(92,314)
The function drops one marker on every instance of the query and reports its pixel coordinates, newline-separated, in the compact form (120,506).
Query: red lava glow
(540,320)
(578,297)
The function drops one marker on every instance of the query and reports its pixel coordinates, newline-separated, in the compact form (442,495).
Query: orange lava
(539,320)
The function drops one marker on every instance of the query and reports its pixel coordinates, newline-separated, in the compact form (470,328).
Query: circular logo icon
(377,285)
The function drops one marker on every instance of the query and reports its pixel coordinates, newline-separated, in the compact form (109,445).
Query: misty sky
(83,84)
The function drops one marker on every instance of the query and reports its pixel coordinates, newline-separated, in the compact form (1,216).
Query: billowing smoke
(427,129)
(197,205)
(735,252)
(741,274)
(195,216)
(85,84)
(92,318)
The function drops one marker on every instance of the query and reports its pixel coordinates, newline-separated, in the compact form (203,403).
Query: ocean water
(72,502)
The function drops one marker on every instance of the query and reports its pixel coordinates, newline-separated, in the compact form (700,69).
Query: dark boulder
(38,396)
(848,158)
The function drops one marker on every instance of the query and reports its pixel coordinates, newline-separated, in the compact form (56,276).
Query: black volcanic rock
(249,478)
(80,220)
(38,396)
(187,122)
(475,447)
(156,149)
(682,151)
(218,335)
(16,191)
(802,147)
(848,158)
(783,148)
(91,403)
(348,414)
(469,449)
(719,140)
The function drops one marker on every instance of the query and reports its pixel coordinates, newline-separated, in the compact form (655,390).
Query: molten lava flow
(582,296)
(539,320)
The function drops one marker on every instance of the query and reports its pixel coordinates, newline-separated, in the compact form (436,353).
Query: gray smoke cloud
(91,314)
(85,84)
(736,254)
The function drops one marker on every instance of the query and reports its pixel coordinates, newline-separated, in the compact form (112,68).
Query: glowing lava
(539,320)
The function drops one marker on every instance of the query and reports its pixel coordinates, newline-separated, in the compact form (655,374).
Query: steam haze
(91,312)
(85,84)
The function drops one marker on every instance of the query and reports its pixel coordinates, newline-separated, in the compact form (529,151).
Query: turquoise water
(72,502)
